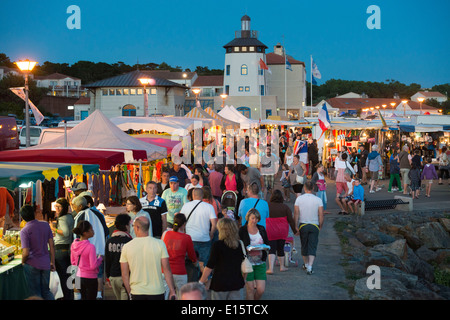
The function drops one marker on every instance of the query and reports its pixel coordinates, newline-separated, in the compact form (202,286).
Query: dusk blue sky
(413,44)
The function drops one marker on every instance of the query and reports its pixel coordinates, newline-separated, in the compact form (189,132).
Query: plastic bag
(55,285)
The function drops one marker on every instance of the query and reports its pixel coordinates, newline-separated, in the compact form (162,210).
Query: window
(132,92)
(244,70)
(152,91)
(53,83)
(245,111)
(228,70)
(126,92)
(240,89)
(140,92)
(229,50)
(118,92)
(111,92)
(236,49)
(227,89)
(251,49)
(247,89)
(104,92)
(259,49)
(244,49)
(262,90)
(260,72)
(129,110)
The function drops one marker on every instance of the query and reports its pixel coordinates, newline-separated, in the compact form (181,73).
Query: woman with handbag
(225,259)
(297,175)
(255,235)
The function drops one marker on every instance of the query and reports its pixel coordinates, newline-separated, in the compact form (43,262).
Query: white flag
(19,91)
(315,71)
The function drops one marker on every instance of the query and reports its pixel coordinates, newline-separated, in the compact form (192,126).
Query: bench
(387,204)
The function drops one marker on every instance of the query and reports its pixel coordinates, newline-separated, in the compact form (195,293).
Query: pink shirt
(230,183)
(215,178)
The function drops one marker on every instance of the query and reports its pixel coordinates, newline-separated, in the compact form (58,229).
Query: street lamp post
(26,66)
(404,107)
(145,82)
(223,96)
(196,91)
(420,99)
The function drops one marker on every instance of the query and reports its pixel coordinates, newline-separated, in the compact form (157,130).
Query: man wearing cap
(179,173)
(175,198)
(79,188)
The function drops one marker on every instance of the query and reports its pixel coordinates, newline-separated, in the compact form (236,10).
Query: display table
(13,285)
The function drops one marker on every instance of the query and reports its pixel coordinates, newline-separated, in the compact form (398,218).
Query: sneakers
(371,191)
(308,269)
(378,189)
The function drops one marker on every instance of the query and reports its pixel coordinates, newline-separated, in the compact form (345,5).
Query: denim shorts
(203,249)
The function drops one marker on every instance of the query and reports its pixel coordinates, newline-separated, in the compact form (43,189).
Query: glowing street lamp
(26,66)
(420,99)
(404,107)
(145,82)
(223,96)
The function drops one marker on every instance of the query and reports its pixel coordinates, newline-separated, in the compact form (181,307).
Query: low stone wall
(397,255)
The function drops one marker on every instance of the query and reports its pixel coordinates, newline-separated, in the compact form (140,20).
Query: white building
(61,85)
(244,81)
(429,95)
(123,95)
(4,71)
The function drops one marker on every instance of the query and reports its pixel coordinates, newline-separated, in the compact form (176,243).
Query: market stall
(97,131)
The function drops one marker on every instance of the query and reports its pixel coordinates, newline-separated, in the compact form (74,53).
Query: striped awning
(13,174)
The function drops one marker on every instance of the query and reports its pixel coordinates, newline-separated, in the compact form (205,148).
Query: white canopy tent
(230,112)
(97,131)
(173,125)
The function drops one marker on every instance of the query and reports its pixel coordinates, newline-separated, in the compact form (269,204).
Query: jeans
(38,282)
(62,262)
(203,249)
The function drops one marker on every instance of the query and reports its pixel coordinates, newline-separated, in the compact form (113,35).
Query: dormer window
(244,70)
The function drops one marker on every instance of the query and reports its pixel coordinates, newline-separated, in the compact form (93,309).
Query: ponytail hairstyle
(82,227)
(179,220)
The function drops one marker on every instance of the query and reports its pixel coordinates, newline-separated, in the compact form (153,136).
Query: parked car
(35,133)
(20,124)
(9,137)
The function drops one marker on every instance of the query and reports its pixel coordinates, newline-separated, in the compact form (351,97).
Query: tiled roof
(55,76)
(243,42)
(168,75)
(361,103)
(273,58)
(209,81)
(431,94)
(83,100)
(131,79)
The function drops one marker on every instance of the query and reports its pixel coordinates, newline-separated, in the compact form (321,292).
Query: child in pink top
(83,255)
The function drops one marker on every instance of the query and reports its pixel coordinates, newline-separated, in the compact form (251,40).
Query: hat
(173,179)
(79,186)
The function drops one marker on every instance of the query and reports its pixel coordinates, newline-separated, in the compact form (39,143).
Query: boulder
(398,248)
(433,235)
(445,223)
(413,241)
(426,254)
(419,267)
(367,237)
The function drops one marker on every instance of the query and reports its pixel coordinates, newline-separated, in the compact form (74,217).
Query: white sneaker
(371,191)
(377,189)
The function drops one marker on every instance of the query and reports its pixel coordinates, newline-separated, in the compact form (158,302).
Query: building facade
(61,85)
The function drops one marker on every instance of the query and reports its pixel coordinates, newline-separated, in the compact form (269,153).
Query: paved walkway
(295,284)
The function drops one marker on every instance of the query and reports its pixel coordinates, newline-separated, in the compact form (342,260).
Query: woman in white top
(194,183)
(134,209)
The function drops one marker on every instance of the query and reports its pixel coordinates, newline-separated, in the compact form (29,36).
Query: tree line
(89,72)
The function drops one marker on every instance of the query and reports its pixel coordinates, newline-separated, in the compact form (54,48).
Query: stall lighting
(25,185)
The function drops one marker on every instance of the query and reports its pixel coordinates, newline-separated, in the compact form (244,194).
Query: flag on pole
(382,119)
(288,65)
(262,65)
(324,119)
(19,91)
(315,71)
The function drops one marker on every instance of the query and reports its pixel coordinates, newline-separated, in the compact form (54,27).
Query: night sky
(412,44)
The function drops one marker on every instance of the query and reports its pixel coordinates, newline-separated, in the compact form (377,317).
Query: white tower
(243,76)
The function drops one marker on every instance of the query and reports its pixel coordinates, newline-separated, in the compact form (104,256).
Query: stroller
(229,202)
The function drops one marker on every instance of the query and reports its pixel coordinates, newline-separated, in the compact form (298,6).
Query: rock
(443,255)
(419,267)
(426,254)
(398,248)
(433,235)
(413,241)
(355,243)
(445,223)
(367,238)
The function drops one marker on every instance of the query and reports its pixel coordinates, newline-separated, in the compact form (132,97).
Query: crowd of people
(191,234)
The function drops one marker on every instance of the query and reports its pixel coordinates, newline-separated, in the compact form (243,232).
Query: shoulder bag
(246,266)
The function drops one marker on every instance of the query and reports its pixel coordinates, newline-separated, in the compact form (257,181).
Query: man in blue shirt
(156,207)
(253,201)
